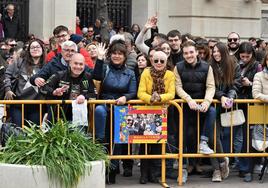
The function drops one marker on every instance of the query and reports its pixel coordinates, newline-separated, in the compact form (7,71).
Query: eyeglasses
(129,119)
(35,47)
(61,36)
(13,45)
(90,31)
(69,50)
(159,60)
(232,39)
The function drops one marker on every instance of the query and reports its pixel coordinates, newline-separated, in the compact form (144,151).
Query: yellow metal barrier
(254,117)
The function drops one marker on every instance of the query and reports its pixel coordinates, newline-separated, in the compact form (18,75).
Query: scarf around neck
(158,80)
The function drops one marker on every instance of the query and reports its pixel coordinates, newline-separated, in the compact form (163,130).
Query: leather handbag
(232,118)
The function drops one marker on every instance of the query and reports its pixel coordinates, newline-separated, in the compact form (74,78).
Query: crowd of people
(83,65)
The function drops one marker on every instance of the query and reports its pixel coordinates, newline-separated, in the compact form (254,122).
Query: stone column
(45,15)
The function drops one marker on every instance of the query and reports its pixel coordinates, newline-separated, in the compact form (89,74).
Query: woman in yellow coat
(157,84)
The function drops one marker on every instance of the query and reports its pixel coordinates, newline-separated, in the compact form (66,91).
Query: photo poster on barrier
(140,124)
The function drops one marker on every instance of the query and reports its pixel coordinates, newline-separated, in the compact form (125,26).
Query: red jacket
(82,51)
(78,30)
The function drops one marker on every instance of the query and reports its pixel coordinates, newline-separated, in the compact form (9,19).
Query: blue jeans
(246,164)
(101,112)
(207,121)
(31,113)
(103,134)
(237,139)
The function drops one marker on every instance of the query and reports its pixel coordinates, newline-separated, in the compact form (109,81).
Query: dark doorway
(119,12)
(22,10)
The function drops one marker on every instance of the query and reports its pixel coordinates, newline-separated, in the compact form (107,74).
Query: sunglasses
(159,60)
(232,39)
(129,120)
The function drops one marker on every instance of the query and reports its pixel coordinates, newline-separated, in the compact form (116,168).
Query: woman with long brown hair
(249,67)
(227,80)
(21,71)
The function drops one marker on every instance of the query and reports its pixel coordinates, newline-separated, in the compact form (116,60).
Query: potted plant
(62,154)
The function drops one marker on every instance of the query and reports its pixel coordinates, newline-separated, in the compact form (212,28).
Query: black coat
(232,90)
(82,85)
(194,78)
(12,28)
(3,67)
(249,72)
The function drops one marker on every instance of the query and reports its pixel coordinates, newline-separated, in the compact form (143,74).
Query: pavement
(194,181)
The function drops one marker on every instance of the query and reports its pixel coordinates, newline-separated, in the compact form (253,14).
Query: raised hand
(101,48)
(151,23)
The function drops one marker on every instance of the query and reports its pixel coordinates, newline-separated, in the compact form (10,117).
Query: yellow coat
(146,86)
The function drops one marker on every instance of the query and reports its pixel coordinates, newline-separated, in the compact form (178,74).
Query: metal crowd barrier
(254,107)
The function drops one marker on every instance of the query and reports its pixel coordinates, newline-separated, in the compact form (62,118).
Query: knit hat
(76,38)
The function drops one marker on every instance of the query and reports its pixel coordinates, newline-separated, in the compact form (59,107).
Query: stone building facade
(206,18)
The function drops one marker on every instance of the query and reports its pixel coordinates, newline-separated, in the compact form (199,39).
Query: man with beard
(233,43)
(174,40)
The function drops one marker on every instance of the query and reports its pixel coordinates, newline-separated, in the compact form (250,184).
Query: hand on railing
(204,107)
(80,99)
(226,102)
(192,104)
(9,95)
(121,100)
(155,97)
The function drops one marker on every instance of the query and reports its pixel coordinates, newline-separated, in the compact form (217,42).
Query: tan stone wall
(210,18)
(45,15)
(207,18)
